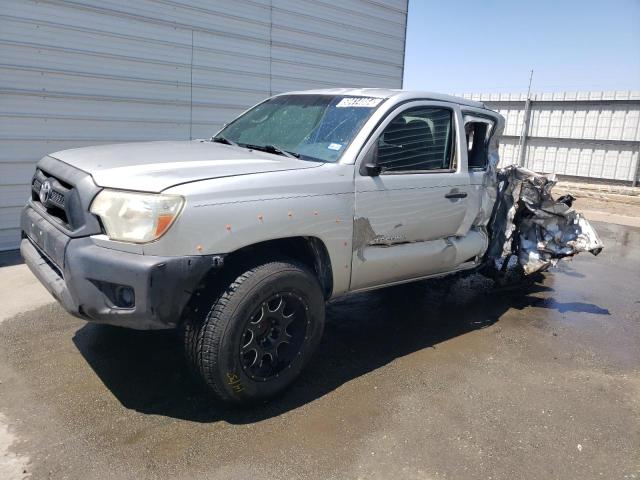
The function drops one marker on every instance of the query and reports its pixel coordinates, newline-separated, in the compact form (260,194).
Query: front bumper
(86,278)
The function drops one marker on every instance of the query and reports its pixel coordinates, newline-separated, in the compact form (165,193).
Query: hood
(156,166)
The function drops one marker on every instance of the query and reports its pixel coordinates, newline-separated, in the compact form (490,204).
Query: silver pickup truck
(241,239)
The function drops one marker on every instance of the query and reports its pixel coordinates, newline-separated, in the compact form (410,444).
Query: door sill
(462,267)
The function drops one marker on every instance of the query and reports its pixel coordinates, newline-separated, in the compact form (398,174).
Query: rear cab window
(478,131)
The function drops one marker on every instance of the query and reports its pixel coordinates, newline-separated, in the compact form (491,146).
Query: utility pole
(636,177)
(522,143)
(191,91)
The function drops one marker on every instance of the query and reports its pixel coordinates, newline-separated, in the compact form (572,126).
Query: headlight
(136,217)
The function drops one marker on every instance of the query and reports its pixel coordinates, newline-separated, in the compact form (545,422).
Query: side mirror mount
(371,169)
(369,166)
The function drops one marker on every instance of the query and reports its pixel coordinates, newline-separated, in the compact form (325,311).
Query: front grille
(56,198)
(53,200)
(62,194)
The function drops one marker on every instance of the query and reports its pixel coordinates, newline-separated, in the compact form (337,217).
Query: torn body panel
(529,223)
(487,179)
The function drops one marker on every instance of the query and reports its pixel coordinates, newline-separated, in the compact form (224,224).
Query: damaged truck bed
(528,223)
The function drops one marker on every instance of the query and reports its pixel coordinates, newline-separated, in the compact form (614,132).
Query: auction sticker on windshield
(359,102)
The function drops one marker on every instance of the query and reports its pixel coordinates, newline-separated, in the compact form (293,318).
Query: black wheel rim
(274,336)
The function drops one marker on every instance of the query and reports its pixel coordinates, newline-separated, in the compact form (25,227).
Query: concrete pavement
(441,379)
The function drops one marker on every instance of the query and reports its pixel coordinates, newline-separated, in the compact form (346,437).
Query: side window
(418,139)
(478,134)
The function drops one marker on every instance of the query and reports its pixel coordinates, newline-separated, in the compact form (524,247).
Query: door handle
(456,194)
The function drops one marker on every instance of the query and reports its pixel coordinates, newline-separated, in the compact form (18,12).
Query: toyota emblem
(45,191)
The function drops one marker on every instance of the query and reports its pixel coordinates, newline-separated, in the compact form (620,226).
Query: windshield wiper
(272,149)
(226,141)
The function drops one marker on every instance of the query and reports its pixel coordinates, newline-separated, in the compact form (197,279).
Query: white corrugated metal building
(86,72)
(591,135)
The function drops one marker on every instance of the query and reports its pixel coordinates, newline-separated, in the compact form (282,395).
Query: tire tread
(204,333)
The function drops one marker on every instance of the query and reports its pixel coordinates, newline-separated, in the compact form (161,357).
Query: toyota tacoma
(241,239)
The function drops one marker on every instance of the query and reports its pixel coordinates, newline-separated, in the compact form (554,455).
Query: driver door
(406,215)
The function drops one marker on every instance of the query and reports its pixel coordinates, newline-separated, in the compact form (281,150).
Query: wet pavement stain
(440,379)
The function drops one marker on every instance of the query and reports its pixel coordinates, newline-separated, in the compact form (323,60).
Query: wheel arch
(308,250)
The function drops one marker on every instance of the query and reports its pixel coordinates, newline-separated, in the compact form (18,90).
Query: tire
(256,335)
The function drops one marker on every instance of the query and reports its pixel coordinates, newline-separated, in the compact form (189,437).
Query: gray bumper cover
(80,274)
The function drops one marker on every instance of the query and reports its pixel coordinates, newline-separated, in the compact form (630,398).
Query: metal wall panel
(86,72)
(583,134)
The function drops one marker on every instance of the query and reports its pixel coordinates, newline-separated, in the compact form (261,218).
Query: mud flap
(529,224)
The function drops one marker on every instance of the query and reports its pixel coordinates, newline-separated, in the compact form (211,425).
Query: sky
(465,46)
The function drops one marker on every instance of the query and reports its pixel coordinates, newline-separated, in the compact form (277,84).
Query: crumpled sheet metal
(529,223)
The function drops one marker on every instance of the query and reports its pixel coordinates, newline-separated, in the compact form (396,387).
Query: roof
(388,93)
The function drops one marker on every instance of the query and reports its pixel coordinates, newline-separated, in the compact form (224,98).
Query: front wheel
(258,334)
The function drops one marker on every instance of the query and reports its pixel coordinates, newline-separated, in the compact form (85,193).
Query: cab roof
(388,93)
